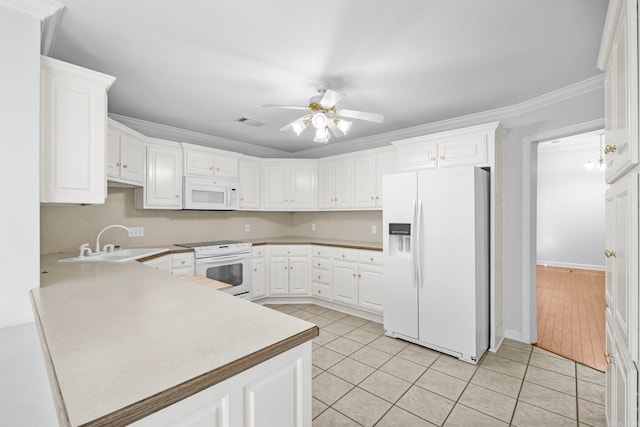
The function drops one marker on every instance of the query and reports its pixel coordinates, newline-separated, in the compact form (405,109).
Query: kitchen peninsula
(125,344)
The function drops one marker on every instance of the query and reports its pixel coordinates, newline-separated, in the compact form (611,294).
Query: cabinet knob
(331,199)
(319,277)
(372,198)
(183,262)
(354,274)
(371,259)
(255,269)
(290,268)
(609,149)
(318,264)
(210,168)
(441,157)
(217,169)
(125,166)
(609,253)
(286,268)
(241,199)
(118,164)
(177,196)
(359,275)
(377,198)
(318,290)
(433,159)
(608,357)
(342,255)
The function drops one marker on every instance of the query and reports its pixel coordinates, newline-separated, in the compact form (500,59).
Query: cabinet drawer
(321,263)
(322,276)
(370,257)
(321,251)
(258,251)
(289,250)
(321,290)
(182,271)
(182,260)
(345,254)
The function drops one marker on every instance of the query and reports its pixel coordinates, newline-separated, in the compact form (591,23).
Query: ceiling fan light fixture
(298,127)
(322,135)
(343,125)
(319,121)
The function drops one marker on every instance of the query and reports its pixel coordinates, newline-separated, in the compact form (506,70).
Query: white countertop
(119,333)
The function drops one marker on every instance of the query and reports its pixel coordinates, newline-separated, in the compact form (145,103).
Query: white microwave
(210,194)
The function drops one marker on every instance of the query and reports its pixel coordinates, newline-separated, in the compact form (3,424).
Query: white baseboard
(570,265)
(515,335)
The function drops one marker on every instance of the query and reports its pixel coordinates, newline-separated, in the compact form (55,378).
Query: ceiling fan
(324,116)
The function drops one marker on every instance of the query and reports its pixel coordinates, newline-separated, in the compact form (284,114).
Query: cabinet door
(113,153)
(417,156)
(163,189)
(326,185)
(299,276)
(199,162)
(258,278)
(621,100)
(385,165)
(343,183)
(276,186)
(162,263)
(625,292)
(464,150)
(73,118)
(226,166)
(303,187)
(365,181)
(250,179)
(278,276)
(370,287)
(345,282)
(132,159)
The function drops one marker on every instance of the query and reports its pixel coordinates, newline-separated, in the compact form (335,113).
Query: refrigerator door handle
(418,257)
(414,258)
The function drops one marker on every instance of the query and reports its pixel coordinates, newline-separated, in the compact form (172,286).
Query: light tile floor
(363,378)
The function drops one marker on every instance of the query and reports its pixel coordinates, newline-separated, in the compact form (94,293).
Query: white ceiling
(199,65)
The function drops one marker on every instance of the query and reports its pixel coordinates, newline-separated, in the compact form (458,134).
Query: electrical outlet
(374,229)
(247,227)
(313,227)
(136,231)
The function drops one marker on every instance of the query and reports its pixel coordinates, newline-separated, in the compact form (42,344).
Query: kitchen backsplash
(65,228)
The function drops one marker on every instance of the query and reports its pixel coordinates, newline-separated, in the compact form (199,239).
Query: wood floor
(571,310)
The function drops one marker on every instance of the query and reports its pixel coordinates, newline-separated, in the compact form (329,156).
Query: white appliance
(436,259)
(210,194)
(227,261)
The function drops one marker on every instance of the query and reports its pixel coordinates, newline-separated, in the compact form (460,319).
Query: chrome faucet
(105,229)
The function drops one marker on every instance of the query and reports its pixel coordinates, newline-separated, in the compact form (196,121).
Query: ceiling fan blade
(361,115)
(331,98)
(333,128)
(297,126)
(285,107)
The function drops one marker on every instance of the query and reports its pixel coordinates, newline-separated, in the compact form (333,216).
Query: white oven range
(228,261)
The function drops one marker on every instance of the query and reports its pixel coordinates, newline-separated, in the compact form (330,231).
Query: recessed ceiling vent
(250,122)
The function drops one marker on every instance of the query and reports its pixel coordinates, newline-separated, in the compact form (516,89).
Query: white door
(132,158)
(278,276)
(303,187)
(345,282)
(325,185)
(365,181)
(343,190)
(299,276)
(370,287)
(164,177)
(400,296)
(249,184)
(385,165)
(258,278)
(276,186)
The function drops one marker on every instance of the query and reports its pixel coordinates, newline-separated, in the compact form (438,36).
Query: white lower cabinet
(276,392)
(289,271)
(179,264)
(259,274)
(357,278)
(370,287)
(321,272)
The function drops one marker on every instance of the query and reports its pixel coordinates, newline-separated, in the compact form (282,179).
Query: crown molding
(171,133)
(49,12)
(369,142)
(568,92)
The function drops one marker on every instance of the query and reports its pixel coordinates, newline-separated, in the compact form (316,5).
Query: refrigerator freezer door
(400,287)
(447,248)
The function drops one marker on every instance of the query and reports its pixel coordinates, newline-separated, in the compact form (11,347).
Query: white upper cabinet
(289,185)
(125,155)
(369,170)
(202,161)
(250,173)
(619,59)
(73,115)
(163,181)
(335,183)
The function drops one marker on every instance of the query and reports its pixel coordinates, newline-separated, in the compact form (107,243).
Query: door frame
(529,218)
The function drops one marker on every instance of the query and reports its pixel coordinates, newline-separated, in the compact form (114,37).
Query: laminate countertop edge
(161,400)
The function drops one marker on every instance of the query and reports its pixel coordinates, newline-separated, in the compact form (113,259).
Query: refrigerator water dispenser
(400,239)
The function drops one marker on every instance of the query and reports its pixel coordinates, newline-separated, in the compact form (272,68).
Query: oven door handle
(219,259)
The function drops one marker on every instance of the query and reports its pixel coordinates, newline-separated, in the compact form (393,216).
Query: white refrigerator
(436,259)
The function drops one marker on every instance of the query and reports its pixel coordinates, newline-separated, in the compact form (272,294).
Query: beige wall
(65,228)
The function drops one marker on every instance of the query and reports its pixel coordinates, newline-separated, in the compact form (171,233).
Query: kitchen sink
(119,255)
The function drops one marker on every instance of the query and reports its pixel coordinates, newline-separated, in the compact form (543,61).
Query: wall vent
(249,122)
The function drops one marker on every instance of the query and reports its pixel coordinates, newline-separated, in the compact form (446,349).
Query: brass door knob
(609,253)
(609,149)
